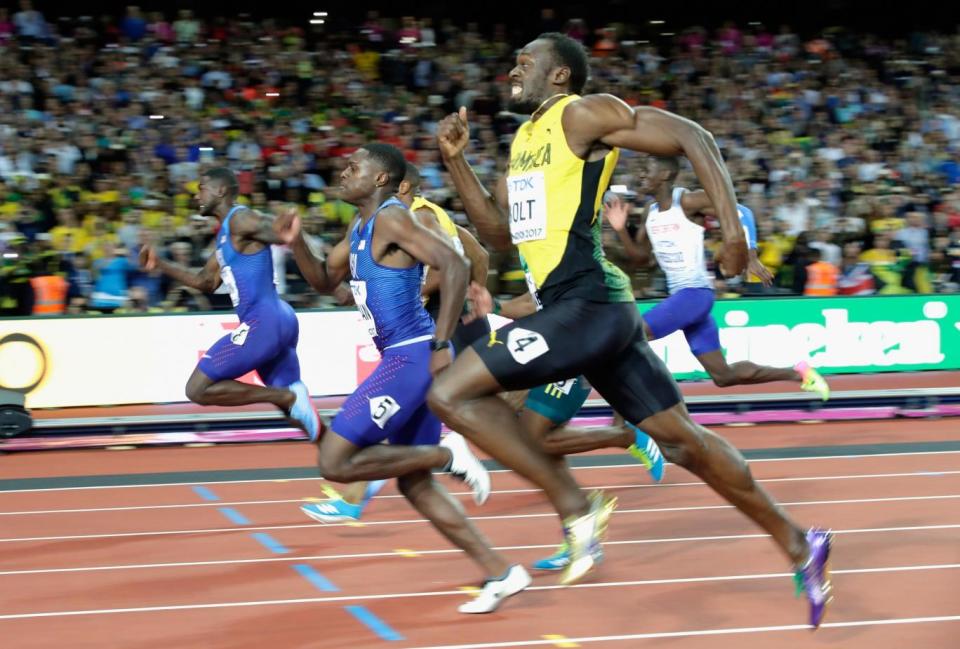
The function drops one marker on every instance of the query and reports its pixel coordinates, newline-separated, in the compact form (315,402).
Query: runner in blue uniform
(384,256)
(266,339)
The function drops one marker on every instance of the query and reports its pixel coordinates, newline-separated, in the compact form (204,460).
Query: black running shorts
(604,341)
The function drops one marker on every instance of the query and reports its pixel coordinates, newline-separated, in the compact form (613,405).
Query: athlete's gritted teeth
(516,89)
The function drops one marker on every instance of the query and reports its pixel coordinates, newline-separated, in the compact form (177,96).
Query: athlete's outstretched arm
(397,226)
(206,280)
(323,274)
(489,214)
(609,121)
(477,255)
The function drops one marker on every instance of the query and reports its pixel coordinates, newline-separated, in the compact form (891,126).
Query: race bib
(239,335)
(525,345)
(359,289)
(226,274)
(382,409)
(528,207)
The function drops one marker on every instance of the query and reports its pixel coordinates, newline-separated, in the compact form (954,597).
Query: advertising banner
(114,360)
(836,335)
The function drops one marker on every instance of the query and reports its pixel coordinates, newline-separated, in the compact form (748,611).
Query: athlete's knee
(196,391)
(684,444)
(724,378)
(443,398)
(335,469)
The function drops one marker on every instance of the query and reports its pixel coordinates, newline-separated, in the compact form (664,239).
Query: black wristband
(437,345)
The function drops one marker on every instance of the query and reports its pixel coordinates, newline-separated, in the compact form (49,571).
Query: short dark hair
(412,176)
(570,53)
(670,163)
(390,158)
(224,176)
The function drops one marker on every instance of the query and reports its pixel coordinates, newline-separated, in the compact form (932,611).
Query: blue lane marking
(270,543)
(205,493)
(234,516)
(315,578)
(374,623)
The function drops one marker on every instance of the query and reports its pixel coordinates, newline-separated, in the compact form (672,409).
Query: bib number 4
(525,345)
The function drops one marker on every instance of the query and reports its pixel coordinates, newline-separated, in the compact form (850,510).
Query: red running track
(163,566)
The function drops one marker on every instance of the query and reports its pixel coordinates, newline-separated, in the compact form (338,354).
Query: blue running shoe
(561,558)
(814,576)
(303,411)
(647,453)
(333,511)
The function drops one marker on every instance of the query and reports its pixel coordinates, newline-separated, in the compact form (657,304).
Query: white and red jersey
(678,245)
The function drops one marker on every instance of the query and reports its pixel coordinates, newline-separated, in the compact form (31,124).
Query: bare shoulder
(593,117)
(394,218)
(395,213)
(593,106)
(248,217)
(424,213)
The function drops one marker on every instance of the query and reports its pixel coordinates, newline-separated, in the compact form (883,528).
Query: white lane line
(503,548)
(498,517)
(700,632)
(855,476)
(379,596)
(576,468)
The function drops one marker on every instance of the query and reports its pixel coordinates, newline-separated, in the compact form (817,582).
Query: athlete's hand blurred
(754,267)
(453,134)
(148,258)
(732,257)
(481,302)
(343,295)
(616,211)
(286,225)
(440,360)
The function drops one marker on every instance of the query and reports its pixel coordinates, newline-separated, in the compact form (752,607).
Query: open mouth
(515,90)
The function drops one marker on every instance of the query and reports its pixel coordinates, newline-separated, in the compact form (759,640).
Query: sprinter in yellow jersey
(548,205)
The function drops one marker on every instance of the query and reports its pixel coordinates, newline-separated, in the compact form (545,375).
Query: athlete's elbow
(700,142)
(318,281)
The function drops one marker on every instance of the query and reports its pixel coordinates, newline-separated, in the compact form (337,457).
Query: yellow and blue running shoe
(646,451)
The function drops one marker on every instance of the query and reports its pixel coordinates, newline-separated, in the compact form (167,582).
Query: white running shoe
(465,466)
(495,591)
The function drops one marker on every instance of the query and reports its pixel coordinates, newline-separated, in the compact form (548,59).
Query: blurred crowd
(845,146)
